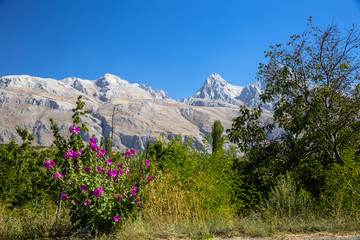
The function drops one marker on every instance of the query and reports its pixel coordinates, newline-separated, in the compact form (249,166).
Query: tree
(217,138)
(108,146)
(316,79)
(314,82)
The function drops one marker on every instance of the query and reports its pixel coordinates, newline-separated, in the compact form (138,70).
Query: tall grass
(179,210)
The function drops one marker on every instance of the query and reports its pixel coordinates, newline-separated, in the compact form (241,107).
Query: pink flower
(116,180)
(114,173)
(109,161)
(72,129)
(127,154)
(75,155)
(64,197)
(120,172)
(67,156)
(137,201)
(97,192)
(132,151)
(72,202)
(150,178)
(70,152)
(102,152)
(119,198)
(93,140)
(120,166)
(80,153)
(93,147)
(117,218)
(87,170)
(125,193)
(49,163)
(127,171)
(147,162)
(76,130)
(83,187)
(87,203)
(70,183)
(134,191)
(57,176)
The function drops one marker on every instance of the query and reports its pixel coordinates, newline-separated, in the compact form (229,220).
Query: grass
(32,224)
(180,211)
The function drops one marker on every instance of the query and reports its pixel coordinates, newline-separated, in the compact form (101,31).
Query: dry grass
(174,211)
(178,212)
(31,224)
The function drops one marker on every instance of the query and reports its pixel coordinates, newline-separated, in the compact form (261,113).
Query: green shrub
(285,201)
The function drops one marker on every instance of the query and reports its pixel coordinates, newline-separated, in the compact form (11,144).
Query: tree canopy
(314,82)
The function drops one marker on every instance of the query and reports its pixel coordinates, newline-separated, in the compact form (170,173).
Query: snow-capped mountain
(141,113)
(217,92)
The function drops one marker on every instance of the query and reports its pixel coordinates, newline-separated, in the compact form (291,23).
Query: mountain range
(141,113)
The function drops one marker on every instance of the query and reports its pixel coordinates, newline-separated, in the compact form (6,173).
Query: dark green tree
(108,145)
(102,142)
(217,138)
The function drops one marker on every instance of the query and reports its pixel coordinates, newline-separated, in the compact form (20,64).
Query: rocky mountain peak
(213,80)
(109,79)
(216,88)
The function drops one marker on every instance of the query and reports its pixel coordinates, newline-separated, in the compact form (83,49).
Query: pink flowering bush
(99,194)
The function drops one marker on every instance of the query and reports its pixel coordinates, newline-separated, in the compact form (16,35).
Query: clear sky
(171,45)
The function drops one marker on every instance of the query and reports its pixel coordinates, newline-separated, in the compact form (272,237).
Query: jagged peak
(215,78)
(109,79)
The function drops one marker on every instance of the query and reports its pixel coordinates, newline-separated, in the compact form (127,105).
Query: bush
(284,200)
(98,191)
(342,185)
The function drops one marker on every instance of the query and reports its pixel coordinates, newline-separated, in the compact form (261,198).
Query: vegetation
(305,179)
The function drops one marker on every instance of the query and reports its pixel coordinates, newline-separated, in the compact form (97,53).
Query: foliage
(315,78)
(342,185)
(22,175)
(212,173)
(314,82)
(285,200)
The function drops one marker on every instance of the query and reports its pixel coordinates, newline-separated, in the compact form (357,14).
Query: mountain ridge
(142,114)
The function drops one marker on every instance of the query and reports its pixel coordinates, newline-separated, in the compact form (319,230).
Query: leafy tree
(316,77)
(314,82)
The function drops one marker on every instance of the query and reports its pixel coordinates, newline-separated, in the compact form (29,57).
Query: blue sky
(171,45)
